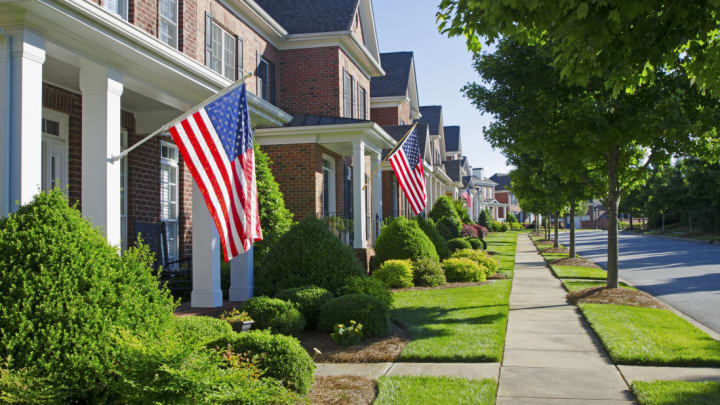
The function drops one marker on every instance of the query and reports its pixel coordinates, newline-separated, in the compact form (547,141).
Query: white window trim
(175,164)
(175,23)
(63,135)
(222,51)
(264,92)
(331,187)
(123,13)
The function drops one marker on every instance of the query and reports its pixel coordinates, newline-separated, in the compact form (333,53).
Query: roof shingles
(397,75)
(431,115)
(310,16)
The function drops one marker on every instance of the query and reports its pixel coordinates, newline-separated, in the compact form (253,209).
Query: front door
(54,151)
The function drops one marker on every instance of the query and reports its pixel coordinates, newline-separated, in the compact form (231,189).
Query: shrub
(462,211)
(200,329)
(516,226)
(308,254)
(278,315)
(362,308)
(489,265)
(495,226)
(444,208)
(511,219)
(462,270)
(278,356)
(428,226)
(403,239)
(427,272)
(485,219)
(369,286)
(395,273)
(449,228)
(481,230)
(476,243)
(458,243)
(503,227)
(66,292)
(469,230)
(347,335)
(307,300)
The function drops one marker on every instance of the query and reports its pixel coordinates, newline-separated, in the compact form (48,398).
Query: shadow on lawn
(428,322)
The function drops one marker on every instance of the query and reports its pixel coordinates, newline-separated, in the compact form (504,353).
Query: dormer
(394,97)
(453,146)
(432,116)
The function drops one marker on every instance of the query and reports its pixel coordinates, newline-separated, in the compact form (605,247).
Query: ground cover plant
(503,245)
(412,390)
(454,324)
(650,336)
(677,392)
(579,272)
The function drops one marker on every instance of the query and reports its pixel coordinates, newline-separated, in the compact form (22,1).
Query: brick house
(505,196)
(440,182)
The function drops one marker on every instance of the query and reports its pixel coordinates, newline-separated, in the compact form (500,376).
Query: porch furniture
(175,274)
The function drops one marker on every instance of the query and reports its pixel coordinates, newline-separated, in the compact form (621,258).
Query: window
(347,95)
(222,52)
(168,22)
(54,165)
(328,186)
(119,7)
(263,82)
(123,190)
(361,103)
(169,196)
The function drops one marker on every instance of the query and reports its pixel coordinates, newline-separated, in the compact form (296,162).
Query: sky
(443,66)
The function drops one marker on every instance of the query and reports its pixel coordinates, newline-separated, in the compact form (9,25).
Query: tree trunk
(572,229)
(613,203)
(663,222)
(556,243)
(631,224)
(690,220)
(537,224)
(547,225)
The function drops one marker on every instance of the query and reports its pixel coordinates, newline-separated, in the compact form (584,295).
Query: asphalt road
(684,274)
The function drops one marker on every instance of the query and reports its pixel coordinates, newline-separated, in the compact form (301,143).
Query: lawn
(504,244)
(575,285)
(649,336)
(435,390)
(463,324)
(579,272)
(677,392)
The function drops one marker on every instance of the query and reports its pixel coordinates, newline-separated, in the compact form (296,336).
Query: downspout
(5,123)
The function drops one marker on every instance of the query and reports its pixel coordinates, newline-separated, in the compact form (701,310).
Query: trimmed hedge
(395,273)
(362,308)
(462,270)
(444,208)
(402,238)
(369,286)
(307,300)
(449,228)
(489,264)
(278,315)
(427,272)
(279,356)
(308,254)
(200,329)
(457,244)
(428,226)
(475,243)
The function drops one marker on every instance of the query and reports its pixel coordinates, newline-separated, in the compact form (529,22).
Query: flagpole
(399,144)
(172,123)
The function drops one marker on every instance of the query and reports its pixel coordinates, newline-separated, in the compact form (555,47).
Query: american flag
(466,195)
(407,165)
(216,143)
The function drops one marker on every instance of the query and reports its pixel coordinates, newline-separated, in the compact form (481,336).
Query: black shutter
(271,78)
(239,65)
(208,38)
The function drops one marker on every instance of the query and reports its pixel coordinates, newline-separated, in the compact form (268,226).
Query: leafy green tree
(485,219)
(462,211)
(444,208)
(275,218)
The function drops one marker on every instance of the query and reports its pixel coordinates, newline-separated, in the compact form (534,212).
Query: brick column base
(365,255)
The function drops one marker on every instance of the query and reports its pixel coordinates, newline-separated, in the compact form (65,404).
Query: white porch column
(22,170)
(101,90)
(206,292)
(376,211)
(241,277)
(359,219)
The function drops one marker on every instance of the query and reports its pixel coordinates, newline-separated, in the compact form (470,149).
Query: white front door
(54,150)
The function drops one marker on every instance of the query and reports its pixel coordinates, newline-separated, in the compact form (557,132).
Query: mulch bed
(556,250)
(616,296)
(497,276)
(185,310)
(386,349)
(574,261)
(343,390)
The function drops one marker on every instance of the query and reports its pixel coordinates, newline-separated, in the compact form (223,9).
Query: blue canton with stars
(230,117)
(412,149)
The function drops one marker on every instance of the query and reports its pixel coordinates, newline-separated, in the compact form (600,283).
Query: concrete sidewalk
(551,356)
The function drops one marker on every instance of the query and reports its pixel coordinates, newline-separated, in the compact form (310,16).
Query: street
(684,274)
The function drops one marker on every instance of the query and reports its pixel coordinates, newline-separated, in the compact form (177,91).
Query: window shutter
(258,79)
(208,38)
(239,65)
(271,78)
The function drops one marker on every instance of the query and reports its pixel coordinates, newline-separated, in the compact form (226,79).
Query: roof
(310,16)
(398,131)
(452,168)
(452,138)
(503,181)
(308,120)
(397,75)
(431,115)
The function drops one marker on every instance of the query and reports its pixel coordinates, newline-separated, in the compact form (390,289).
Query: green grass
(575,285)
(677,392)
(579,272)
(504,244)
(462,324)
(649,336)
(554,256)
(435,390)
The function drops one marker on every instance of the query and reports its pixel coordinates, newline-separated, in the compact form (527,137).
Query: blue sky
(443,66)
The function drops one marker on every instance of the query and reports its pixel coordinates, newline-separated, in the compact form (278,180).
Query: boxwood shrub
(402,238)
(369,286)
(362,308)
(395,273)
(308,254)
(427,272)
(200,329)
(278,315)
(428,226)
(462,270)
(307,300)
(449,228)
(444,208)
(475,243)
(457,244)
(489,264)
(279,356)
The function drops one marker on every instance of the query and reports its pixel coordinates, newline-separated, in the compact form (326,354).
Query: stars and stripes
(216,143)
(466,195)
(407,165)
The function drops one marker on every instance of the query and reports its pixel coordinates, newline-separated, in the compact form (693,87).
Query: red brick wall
(144,14)
(185,207)
(309,81)
(385,115)
(188,27)
(501,196)
(388,179)
(295,168)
